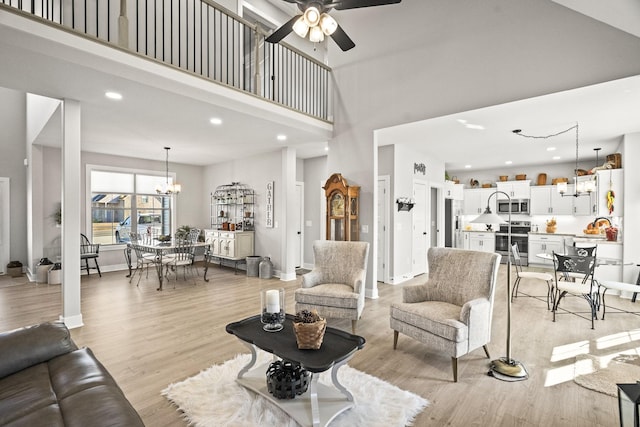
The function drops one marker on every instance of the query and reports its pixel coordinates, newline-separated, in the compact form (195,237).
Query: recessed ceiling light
(326,148)
(113,95)
(508,162)
(472,126)
(551,148)
(463,121)
(215,121)
(467,166)
(282,137)
(556,157)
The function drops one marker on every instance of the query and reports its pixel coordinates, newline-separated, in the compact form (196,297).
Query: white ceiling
(604,112)
(166,107)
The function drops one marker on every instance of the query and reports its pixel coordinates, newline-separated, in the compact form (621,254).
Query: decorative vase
(266,268)
(272,312)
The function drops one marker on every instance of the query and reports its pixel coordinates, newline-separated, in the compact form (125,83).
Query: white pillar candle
(273,301)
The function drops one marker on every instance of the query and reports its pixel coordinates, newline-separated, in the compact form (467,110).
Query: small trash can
(55,274)
(253,265)
(42,270)
(266,268)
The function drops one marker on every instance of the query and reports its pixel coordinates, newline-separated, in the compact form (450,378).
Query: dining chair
(534,275)
(632,288)
(89,251)
(182,256)
(144,258)
(583,284)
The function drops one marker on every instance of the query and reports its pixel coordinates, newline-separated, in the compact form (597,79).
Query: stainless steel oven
(519,234)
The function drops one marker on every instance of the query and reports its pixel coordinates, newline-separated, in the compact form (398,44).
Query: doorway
(420,231)
(382,223)
(298,246)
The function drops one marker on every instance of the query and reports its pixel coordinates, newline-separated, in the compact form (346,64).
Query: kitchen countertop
(579,237)
(479,231)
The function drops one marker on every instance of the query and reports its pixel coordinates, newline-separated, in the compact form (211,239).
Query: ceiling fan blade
(283,31)
(342,39)
(354,4)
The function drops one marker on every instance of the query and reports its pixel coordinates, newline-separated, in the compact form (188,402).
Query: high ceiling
(165,107)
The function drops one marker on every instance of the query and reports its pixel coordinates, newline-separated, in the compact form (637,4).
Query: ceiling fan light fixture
(328,24)
(312,16)
(316,35)
(300,27)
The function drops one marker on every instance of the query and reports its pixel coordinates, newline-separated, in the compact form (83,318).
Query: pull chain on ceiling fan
(317,23)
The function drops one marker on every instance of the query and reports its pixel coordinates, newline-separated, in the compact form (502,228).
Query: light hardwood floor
(149,339)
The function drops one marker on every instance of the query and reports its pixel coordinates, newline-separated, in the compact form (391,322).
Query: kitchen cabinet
(453,191)
(515,189)
(545,200)
(544,243)
(475,201)
(479,241)
(232,245)
(610,179)
(585,205)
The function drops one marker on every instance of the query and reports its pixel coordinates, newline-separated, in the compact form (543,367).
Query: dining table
(161,249)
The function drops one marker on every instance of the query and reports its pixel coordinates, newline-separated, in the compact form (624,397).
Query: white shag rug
(602,375)
(213,398)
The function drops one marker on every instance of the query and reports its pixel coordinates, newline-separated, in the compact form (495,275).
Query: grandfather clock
(342,209)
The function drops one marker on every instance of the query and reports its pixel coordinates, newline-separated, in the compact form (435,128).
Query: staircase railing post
(123,26)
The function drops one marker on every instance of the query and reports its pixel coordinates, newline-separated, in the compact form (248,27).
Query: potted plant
(14,268)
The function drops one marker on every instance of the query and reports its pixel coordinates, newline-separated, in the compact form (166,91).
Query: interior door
(298,247)
(433,218)
(420,232)
(383,228)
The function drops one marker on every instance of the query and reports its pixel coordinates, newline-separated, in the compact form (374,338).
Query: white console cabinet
(232,245)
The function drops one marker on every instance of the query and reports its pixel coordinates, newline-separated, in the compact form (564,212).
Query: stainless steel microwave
(518,206)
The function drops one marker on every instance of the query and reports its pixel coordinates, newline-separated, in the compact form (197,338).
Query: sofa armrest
(311,279)
(414,293)
(476,314)
(28,346)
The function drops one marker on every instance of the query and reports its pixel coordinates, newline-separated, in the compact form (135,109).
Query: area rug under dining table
(213,398)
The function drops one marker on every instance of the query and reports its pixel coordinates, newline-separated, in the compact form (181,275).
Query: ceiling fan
(316,22)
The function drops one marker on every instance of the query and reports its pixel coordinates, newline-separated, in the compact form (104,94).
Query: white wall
(12,144)
(315,175)
(456,57)
(631,249)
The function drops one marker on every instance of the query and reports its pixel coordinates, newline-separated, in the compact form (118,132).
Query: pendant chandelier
(168,189)
(581,188)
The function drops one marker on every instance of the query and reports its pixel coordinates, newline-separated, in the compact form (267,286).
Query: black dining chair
(582,284)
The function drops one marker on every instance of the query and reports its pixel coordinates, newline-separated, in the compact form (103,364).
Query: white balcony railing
(198,36)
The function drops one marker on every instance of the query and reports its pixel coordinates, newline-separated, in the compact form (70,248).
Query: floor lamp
(505,368)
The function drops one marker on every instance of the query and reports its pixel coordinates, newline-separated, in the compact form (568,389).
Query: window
(122,202)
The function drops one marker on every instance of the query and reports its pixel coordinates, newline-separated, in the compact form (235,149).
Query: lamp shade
(328,24)
(300,27)
(312,16)
(562,187)
(316,35)
(488,218)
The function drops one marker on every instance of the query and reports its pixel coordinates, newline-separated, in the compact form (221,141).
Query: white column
(71,191)
(288,230)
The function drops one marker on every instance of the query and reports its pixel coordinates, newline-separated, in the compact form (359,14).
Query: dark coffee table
(320,404)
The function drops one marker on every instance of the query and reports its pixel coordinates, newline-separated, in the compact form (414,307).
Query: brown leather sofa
(45,380)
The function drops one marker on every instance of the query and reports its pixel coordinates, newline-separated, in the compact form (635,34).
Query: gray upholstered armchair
(452,310)
(336,285)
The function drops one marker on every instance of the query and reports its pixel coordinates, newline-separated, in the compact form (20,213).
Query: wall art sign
(420,167)
(269,205)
